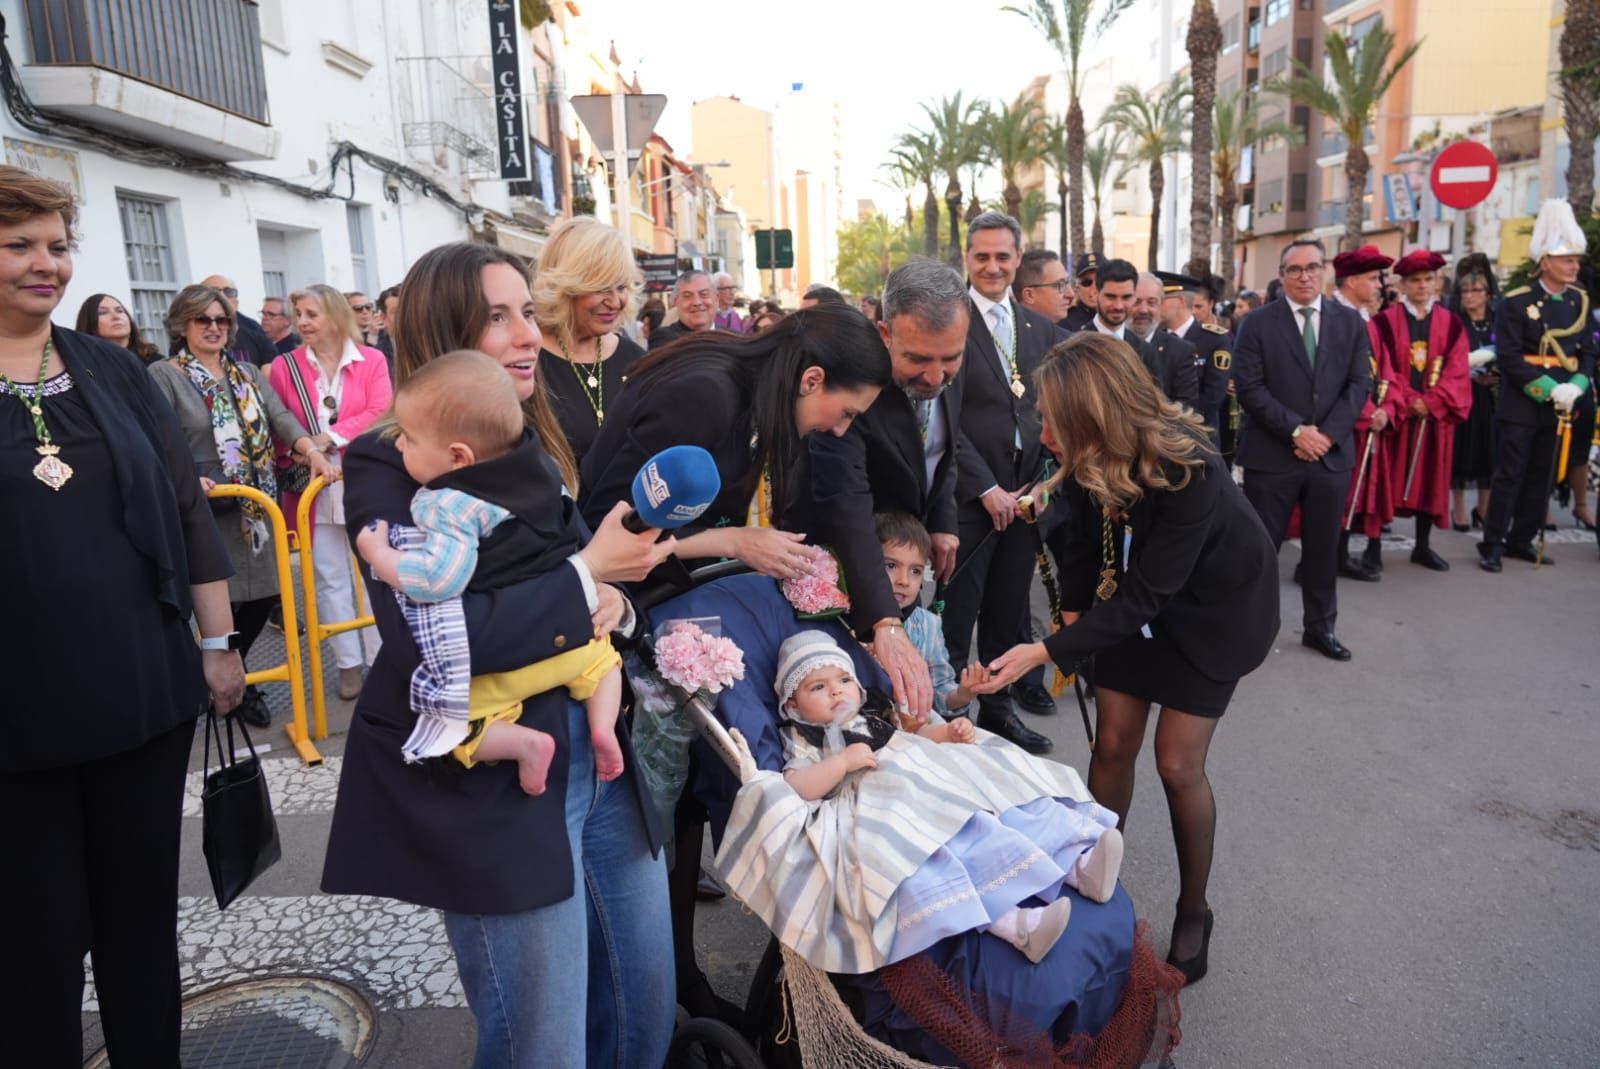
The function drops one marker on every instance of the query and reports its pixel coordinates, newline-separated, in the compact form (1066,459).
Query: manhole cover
(286,1022)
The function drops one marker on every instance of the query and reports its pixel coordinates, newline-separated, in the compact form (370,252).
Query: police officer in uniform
(1545,345)
(1081,315)
(1213,350)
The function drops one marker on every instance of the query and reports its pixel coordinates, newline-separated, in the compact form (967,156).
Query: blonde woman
(347,385)
(1167,577)
(585,286)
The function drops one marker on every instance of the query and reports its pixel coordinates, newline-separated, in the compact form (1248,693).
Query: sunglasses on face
(220,322)
(361,307)
(229,292)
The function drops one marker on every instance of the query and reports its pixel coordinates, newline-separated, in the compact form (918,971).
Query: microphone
(673,489)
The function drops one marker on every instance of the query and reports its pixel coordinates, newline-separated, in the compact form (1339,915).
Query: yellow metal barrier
(316,630)
(289,671)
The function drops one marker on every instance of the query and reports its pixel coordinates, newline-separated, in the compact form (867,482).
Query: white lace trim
(52,387)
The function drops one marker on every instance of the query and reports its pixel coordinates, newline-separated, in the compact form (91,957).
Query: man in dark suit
(1175,357)
(1116,286)
(898,456)
(1081,314)
(1302,369)
(1213,345)
(1001,459)
(695,298)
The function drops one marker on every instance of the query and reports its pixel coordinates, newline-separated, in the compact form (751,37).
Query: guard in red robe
(1429,342)
(1370,502)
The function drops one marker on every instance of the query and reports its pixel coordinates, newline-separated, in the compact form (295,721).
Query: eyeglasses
(1059,286)
(1474,289)
(727,289)
(211,321)
(229,292)
(1302,270)
(267,313)
(361,307)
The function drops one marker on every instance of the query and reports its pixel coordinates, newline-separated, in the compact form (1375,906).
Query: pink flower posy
(817,591)
(689,658)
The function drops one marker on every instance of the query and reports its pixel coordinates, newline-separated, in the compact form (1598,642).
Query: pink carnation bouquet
(821,593)
(695,661)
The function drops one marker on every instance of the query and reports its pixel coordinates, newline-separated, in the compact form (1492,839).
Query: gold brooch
(1533,311)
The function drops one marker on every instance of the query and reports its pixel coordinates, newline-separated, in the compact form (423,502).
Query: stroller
(1100,998)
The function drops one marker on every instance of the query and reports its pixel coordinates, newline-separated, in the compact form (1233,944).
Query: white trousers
(330,554)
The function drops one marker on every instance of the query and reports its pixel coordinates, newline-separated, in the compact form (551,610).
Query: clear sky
(880,58)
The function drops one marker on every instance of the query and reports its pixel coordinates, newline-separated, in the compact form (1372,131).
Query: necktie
(924,411)
(1002,334)
(1309,336)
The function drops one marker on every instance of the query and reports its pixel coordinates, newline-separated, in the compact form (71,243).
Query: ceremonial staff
(1558,470)
(1422,431)
(1047,575)
(1366,458)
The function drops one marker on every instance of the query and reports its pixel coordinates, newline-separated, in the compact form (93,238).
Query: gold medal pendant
(52,470)
(1108,585)
(593,382)
(1017,389)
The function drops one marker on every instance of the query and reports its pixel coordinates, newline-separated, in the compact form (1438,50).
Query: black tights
(249,617)
(1182,741)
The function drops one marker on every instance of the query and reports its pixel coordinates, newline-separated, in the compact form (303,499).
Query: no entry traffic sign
(1463,174)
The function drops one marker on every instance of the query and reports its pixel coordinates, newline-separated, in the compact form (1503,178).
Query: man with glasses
(278,325)
(1302,367)
(695,299)
(1042,284)
(251,343)
(1086,302)
(727,317)
(368,321)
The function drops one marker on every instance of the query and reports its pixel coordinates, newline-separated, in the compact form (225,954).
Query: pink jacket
(367,394)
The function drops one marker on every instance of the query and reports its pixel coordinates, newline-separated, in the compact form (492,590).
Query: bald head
(226,286)
(1147,294)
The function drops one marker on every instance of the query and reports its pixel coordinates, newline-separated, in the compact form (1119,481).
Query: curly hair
(1113,429)
(583,256)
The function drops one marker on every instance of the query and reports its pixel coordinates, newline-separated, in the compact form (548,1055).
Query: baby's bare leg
(603,706)
(532,750)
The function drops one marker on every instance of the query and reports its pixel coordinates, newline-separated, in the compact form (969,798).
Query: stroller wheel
(704,1043)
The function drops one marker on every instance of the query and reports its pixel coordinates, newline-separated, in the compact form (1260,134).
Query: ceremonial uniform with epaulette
(1212,345)
(1546,347)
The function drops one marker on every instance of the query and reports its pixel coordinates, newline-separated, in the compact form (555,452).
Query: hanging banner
(510,130)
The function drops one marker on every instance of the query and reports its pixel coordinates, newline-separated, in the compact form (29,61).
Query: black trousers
(1520,490)
(1320,493)
(989,591)
(249,617)
(93,868)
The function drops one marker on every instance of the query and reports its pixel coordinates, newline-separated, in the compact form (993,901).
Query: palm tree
(903,179)
(1203,43)
(1017,139)
(1058,156)
(1580,97)
(1361,75)
(1068,31)
(1155,127)
(919,152)
(1238,128)
(868,251)
(957,126)
(1105,163)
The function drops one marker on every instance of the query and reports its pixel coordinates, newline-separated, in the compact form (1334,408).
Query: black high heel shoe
(1477,518)
(1194,968)
(1461,526)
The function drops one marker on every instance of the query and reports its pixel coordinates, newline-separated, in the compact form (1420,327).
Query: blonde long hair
(583,256)
(1118,434)
(335,308)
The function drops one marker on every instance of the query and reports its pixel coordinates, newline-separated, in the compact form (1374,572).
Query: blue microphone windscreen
(675,486)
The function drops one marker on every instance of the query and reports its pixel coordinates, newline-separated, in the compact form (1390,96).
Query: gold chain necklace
(1108,558)
(593,384)
(52,470)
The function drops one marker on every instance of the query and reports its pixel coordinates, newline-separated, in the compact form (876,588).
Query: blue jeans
(587,981)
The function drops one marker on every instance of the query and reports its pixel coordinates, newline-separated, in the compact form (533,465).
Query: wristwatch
(230,641)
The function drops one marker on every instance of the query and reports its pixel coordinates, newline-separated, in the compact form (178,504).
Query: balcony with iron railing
(447,113)
(186,75)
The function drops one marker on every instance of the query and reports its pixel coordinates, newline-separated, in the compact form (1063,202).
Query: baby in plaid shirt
(491,512)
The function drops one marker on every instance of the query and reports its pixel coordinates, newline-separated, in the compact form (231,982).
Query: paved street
(1407,865)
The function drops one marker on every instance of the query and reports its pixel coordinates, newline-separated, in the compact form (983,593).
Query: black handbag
(297,476)
(237,832)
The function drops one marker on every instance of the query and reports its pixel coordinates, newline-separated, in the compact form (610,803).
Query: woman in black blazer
(1168,579)
(555,905)
(750,401)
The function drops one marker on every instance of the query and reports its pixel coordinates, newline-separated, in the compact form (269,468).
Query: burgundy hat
(1367,258)
(1418,260)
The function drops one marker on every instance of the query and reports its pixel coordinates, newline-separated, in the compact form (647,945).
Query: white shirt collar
(984,304)
(1426,309)
(1338,295)
(1118,333)
(1315,305)
(1183,328)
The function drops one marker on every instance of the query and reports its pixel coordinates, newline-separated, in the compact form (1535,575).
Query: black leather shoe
(1489,557)
(1529,552)
(1194,968)
(253,709)
(1351,568)
(1008,727)
(1429,559)
(1324,643)
(707,889)
(1297,576)
(1033,697)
